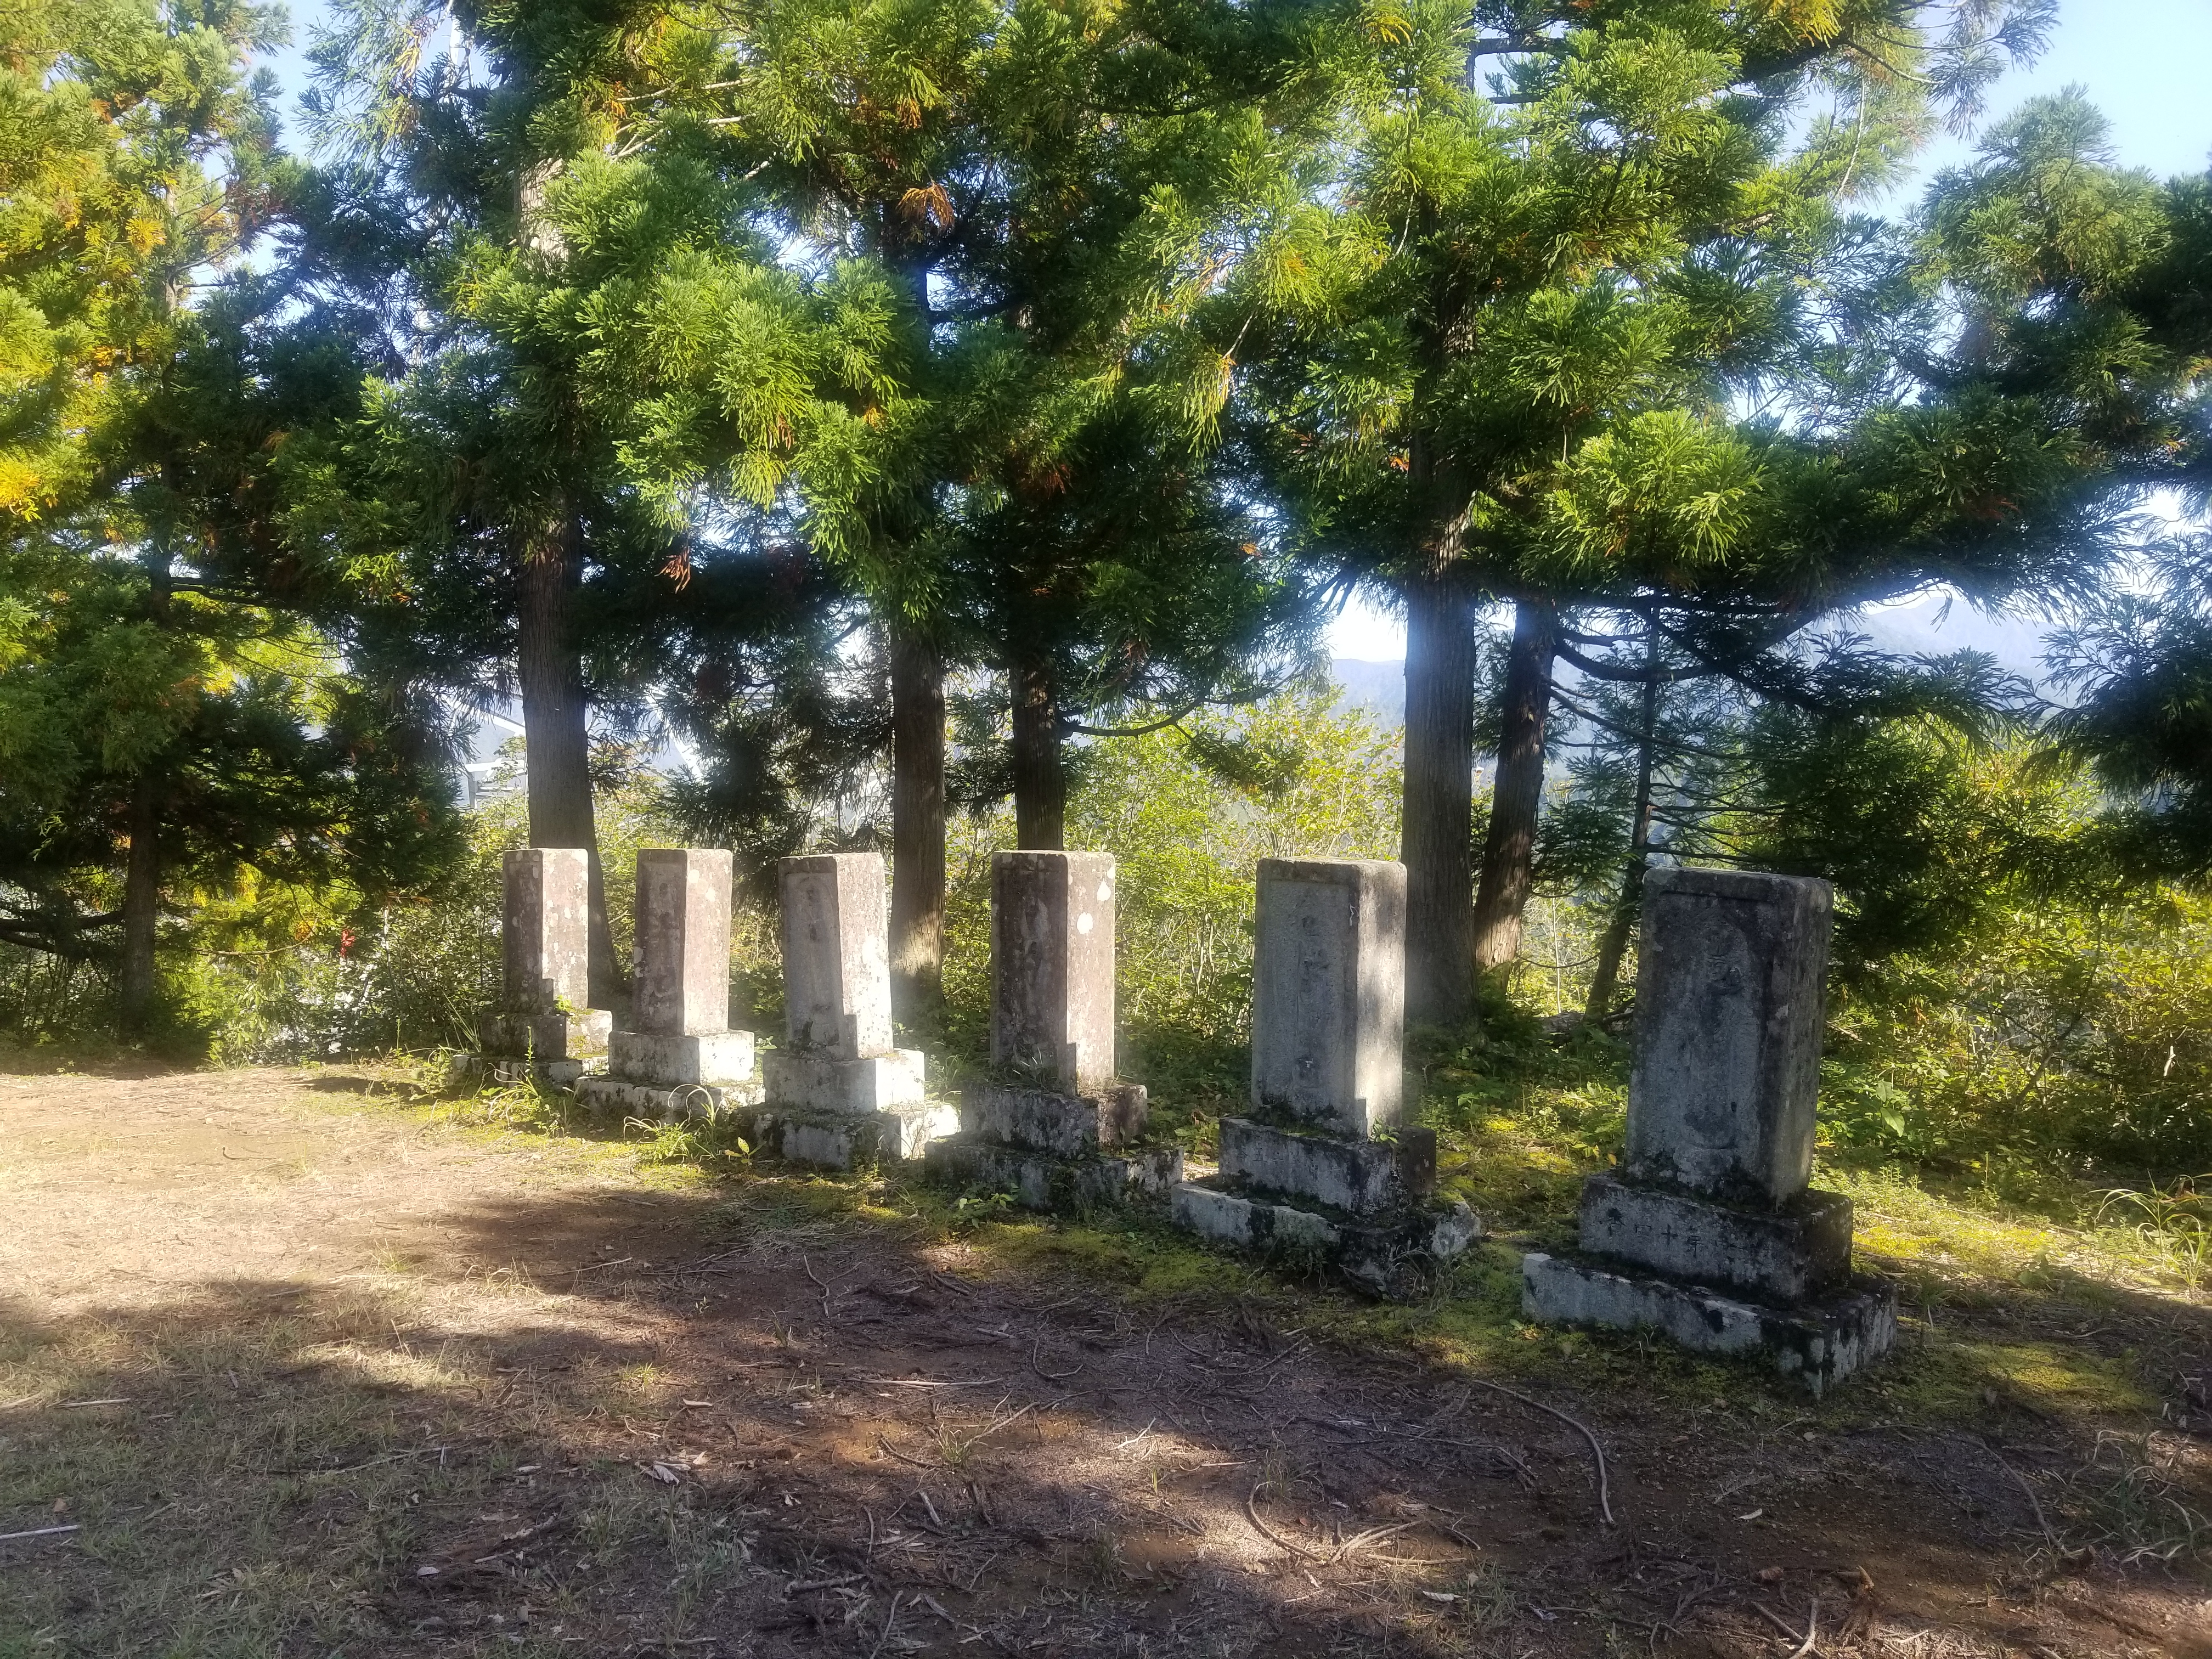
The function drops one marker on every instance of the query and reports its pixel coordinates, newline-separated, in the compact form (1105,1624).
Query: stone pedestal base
(849,1140)
(1823,1341)
(581,1036)
(1043,1120)
(1361,1178)
(1045,1181)
(806,1080)
(662,1078)
(1056,1152)
(1801,1251)
(1388,1254)
(720,1058)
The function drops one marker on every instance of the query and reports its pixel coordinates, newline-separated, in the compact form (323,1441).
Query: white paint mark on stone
(1083,923)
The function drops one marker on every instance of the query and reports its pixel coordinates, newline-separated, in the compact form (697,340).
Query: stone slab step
(1389,1256)
(469,1071)
(1041,1181)
(656,1102)
(848,1140)
(1820,1342)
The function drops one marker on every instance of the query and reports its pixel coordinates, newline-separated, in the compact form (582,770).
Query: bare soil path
(290,1367)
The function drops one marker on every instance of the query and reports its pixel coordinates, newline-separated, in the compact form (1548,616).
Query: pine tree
(491,517)
(979,393)
(1617,244)
(167,717)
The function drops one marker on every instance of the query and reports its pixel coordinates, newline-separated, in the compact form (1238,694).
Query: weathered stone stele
(1712,1233)
(1305,1176)
(1329,994)
(543,1029)
(836,946)
(682,955)
(679,1058)
(1053,1128)
(545,934)
(1052,968)
(839,1093)
(1730,993)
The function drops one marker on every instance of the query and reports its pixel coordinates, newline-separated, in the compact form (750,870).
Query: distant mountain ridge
(1378,687)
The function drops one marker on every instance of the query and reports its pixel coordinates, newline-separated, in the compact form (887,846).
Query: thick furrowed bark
(1039,779)
(917,825)
(1508,858)
(556,733)
(1437,834)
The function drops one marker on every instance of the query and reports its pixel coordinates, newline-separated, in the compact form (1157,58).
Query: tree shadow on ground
(772,1419)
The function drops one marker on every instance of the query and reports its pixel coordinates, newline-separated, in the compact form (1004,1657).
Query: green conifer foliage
(167,716)
(1507,357)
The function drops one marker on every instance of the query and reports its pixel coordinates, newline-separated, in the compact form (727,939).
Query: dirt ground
(290,1367)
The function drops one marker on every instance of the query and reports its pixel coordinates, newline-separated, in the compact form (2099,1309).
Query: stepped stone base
(1801,1251)
(803,1080)
(661,1103)
(1362,1177)
(1047,1181)
(1822,1340)
(848,1140)
(1390,1255)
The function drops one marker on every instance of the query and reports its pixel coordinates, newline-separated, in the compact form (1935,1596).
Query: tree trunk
(1437,837)
(1039,778)
(1509,859)
(1607,977)
(142,911)
(917,825)
(556,730)
(142,877)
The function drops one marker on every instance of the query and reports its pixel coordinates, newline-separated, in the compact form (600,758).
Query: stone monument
(1052,1125)
(1712,1232)
(543,1032)
(679,1058)
(838,1092)
(1322,1167)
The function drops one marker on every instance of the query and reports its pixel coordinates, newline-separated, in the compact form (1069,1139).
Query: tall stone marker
(543,1029)
(1052,1125)
(1052,967)
(1712,1232)
(1329,994)
(679,1058)
(1322,1167)
(839,1093)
